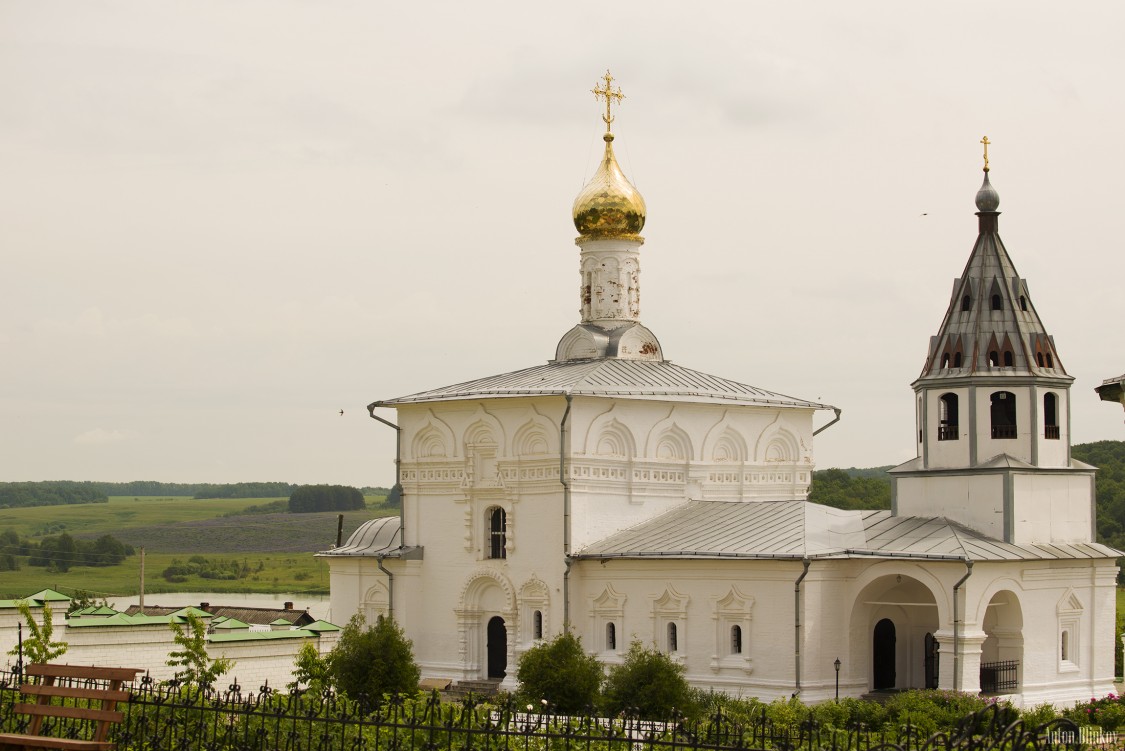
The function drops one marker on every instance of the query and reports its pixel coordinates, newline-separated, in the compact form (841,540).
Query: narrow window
(611,636)
(1023,303)
(1003,414)
(497,533)
(736,640)
(947,417)
(945,360)
(997,302)
(537,624)
(1050,416)
(966,303)
(1039,358)
(673,643)
(1050,361)
(994,359)
(1009,359)
(1064,646)
(956,359)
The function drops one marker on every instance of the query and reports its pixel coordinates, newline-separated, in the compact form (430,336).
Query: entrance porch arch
(891,617)
(1001,656)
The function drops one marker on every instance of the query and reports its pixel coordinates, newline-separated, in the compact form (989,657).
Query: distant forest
(61,492)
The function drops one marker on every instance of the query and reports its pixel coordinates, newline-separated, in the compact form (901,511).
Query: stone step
(461,689)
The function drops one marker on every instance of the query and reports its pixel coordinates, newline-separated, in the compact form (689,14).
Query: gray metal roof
(638,379)
(800,529)
(379,538)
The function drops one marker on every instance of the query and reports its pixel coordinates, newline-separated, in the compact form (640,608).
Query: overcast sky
(223,222)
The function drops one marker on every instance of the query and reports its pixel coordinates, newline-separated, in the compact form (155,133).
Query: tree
(372,662)
(561,673)
(195,665)
(83,599)
(310,670)
(648,682)
(38,645)
(311,498)
(394,497)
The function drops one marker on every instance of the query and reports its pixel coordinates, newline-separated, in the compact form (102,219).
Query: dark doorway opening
(883,654)
(497,648)
(931,650)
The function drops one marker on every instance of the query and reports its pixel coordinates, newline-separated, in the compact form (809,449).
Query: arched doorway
(883,655)
(497,648)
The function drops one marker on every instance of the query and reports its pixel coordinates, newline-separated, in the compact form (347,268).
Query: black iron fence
(178,718)
(999,677)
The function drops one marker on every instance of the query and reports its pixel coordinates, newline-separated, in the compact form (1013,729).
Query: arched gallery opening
(892,634)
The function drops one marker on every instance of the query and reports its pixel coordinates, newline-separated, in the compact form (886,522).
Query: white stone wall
(974,499)
(1055,508)
(148,646)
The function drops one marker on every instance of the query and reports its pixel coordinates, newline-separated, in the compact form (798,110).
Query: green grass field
(280,544)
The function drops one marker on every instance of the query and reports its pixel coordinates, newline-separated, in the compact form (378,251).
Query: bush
(1108,713)
(561,673)
(373,662)
(649,683)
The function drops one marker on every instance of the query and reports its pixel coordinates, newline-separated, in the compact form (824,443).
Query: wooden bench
(97,691)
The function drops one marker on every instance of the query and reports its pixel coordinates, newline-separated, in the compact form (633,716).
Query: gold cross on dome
(610,95)
(985,141)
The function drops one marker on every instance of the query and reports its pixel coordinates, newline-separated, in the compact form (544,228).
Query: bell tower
(992,409)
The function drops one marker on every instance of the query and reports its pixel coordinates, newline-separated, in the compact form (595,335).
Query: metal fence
(999,677)
(177,718)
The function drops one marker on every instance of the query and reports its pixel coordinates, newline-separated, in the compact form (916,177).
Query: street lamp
(837,664)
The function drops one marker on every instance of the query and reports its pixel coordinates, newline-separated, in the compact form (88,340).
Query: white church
(614,493)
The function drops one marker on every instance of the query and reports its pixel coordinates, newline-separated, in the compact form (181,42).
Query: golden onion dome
(609,206)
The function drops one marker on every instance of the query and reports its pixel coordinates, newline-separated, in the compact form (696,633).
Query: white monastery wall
(148,646)
(1055,508)
(973,499)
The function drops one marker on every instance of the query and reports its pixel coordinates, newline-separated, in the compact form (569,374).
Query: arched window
(997,302)
(994,359)
(1023,303)
(966,303)
(736,640)
(497,543)
(611,636)
(673,641)
(1009,359)
(1003,414)
(947,417)
(945,360)
(537,624)
(956,359)
(1039,359)
(1050,361)
(1050,416)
